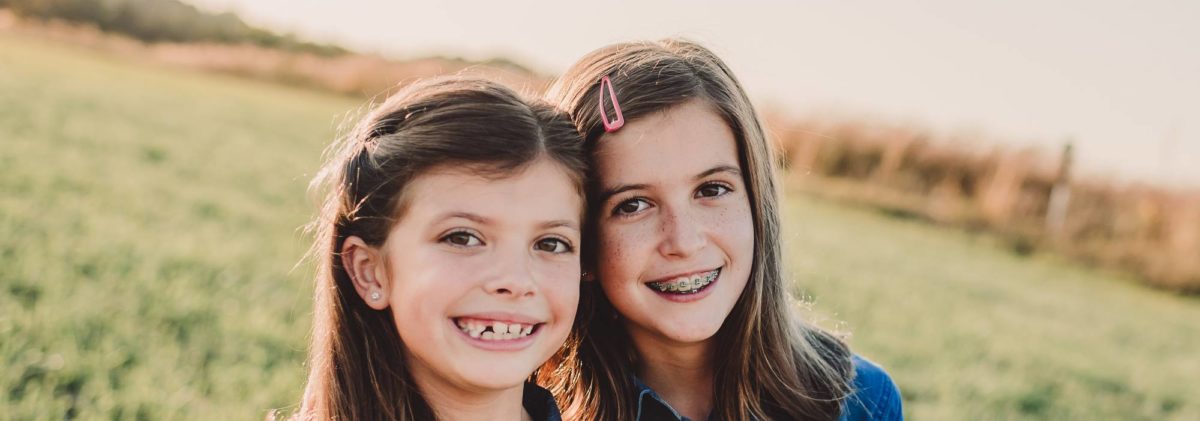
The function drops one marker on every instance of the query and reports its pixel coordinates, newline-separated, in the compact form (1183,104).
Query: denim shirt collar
(651,407)
(539,403)
(875,396)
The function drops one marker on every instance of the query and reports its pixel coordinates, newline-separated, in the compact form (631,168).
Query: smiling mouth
(683,285)
(491,330)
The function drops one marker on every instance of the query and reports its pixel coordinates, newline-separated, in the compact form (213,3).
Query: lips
(685,284)
(498,331)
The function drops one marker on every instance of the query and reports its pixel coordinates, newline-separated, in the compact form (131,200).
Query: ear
(365,266)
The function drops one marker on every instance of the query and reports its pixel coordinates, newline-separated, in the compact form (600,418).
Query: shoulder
(539,403)
(875,395)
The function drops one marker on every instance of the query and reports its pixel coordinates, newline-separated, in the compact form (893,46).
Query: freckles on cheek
(618,251)
(742,222)
(610,244)
(736,224)
(610,248)
(623,243)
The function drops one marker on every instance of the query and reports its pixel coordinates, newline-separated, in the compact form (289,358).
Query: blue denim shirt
(875,397)
(539,403)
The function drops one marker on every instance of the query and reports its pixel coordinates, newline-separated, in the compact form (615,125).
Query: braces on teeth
(495,331)
(686,285)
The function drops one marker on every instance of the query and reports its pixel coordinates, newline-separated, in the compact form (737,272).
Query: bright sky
(1120,78)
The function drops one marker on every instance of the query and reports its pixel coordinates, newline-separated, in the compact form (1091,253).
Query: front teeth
(686,284)
(494,331)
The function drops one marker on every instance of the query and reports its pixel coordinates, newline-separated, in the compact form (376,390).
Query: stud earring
(375,295)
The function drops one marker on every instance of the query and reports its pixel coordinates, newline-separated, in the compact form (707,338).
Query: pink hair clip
(610,126)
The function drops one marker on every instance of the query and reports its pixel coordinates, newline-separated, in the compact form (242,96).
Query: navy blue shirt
(875,397)
(539,403)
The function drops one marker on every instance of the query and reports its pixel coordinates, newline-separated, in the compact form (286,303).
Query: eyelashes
(463,238)
(713,189)
(554,245)
(633,206)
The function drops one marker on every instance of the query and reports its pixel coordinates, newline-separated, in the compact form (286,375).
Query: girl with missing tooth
(688,317)
(431,301)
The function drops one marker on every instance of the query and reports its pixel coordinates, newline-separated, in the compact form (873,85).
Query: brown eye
(552,245)
(631,206)
(712,190)
(462,239)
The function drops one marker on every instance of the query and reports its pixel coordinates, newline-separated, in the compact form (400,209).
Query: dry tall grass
(1150,231)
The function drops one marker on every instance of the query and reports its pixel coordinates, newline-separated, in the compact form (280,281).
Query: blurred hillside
(163,21)
(172,33)
(1029,198)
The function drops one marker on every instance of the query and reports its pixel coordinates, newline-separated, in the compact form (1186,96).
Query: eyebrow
(466,215)
(565,223)
(560,223)
(610,192)
(720,168)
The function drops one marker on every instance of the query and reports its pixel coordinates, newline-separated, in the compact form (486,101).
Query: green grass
(148,231)
(149,228)
(970,331)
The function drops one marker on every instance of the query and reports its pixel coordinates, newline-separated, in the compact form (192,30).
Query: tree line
(164,21)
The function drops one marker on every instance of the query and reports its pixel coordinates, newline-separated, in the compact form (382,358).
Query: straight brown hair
(357,368)
(771,363)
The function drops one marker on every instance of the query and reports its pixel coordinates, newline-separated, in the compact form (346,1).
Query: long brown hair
(771,364)
(357,367)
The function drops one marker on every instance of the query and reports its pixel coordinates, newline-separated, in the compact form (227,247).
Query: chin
(495,378)
(696,331)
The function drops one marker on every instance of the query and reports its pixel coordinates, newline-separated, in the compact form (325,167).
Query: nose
(682,234)
(515,278)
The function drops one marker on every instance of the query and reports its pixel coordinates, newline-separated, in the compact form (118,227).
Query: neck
(681,373)
(454,402)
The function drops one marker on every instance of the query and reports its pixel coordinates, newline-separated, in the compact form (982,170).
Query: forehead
(679,142)
(542,190)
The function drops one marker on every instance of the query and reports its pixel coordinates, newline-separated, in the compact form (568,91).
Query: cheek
(742,229)
(622,248)
(560,286)
(733,229)
(420,290)
(413,303)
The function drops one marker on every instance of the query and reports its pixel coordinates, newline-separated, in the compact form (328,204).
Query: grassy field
(970,331)
(149,229)
(149,232)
